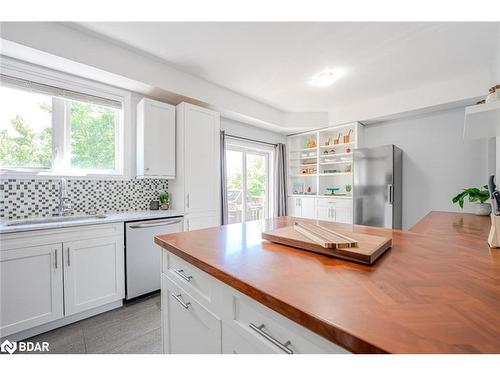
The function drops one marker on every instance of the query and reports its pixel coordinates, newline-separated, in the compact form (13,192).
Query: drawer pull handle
(154,224)
(267,336)
(181,274)
(178,298)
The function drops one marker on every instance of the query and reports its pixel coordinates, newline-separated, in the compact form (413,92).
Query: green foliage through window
(92,136)
(25,147)
(30,123)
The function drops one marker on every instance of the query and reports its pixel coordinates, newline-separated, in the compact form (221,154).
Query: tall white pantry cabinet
(196,189)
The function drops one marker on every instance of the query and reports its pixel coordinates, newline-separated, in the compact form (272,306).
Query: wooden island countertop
(436,291)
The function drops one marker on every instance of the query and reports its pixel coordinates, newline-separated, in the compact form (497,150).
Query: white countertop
(112,217)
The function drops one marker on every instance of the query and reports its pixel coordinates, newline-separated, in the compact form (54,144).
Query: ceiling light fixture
(325,78)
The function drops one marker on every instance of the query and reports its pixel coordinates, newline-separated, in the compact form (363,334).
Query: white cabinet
(302,207)
(308,207)
(327,209)
(31,287)
(201,314)
(325,213)
(235,341)
(200,221)
(343,215)
(188,327)
(93,273)
(196,190)
(293,207)
(50,275)
(155,139)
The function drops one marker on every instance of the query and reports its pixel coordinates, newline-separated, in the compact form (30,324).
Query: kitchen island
(437,290)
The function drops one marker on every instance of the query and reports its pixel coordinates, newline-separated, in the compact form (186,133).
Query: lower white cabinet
(48,275)
(201,314)
(93,273)
(201,220)
(31,287)
(188,327)
(321,208)
(302,207)
(235,341)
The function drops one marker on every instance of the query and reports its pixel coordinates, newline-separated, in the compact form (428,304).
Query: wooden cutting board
(369,248)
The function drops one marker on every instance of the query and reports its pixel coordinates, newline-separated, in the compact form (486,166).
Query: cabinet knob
(146,169)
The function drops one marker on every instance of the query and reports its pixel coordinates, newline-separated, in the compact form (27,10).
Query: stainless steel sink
(53,219)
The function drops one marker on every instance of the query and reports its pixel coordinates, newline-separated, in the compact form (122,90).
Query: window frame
(61,126)
(255,148)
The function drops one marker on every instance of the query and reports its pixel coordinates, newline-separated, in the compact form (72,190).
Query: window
(49,130)
(249,181)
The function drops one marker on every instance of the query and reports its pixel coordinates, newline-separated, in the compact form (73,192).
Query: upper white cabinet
(155,139)
(196,189)
(31,287)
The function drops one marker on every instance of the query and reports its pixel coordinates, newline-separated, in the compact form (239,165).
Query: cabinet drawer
(275,332)
(332,202)
(236,340)
(189,328)
(189,277)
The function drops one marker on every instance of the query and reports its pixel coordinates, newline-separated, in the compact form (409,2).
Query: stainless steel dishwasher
(143,256)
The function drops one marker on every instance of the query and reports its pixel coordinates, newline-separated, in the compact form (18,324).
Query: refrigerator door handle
(390,193)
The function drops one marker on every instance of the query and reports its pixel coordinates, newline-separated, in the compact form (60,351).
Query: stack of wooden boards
(358,247)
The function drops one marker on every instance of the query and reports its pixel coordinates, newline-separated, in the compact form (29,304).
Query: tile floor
(131,329)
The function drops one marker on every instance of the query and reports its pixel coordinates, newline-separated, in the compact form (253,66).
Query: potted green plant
(164,200)
(478,196)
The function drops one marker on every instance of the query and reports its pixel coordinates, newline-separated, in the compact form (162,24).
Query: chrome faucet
(64,208)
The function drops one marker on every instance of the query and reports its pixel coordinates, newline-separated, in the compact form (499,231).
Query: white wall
(437,161)
(244,130)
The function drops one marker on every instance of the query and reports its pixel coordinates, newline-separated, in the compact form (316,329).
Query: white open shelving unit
(326,165)
(318,160)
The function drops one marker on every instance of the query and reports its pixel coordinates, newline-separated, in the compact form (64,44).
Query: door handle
(390,193)
(155,224)
(68,252)
(56,265)
(178,298)
(181,274)
(267,336)
(187,200)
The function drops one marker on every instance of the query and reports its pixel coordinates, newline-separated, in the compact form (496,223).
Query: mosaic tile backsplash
(23,198)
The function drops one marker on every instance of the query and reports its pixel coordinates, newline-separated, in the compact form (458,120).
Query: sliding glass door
(248,182)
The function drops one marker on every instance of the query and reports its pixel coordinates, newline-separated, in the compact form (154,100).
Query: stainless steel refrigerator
(377,186)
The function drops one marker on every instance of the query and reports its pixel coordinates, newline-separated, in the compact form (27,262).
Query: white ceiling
(273,62)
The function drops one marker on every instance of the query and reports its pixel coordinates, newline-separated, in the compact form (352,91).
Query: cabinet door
(188,327)
(31,287)
(308,208)
(155,139)
(324,213)
(201,221)
(293,206)
(343,215)
(202,159)
(93,273)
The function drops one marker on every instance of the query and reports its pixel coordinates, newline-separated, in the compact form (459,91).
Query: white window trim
(124,136)
(259,149)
